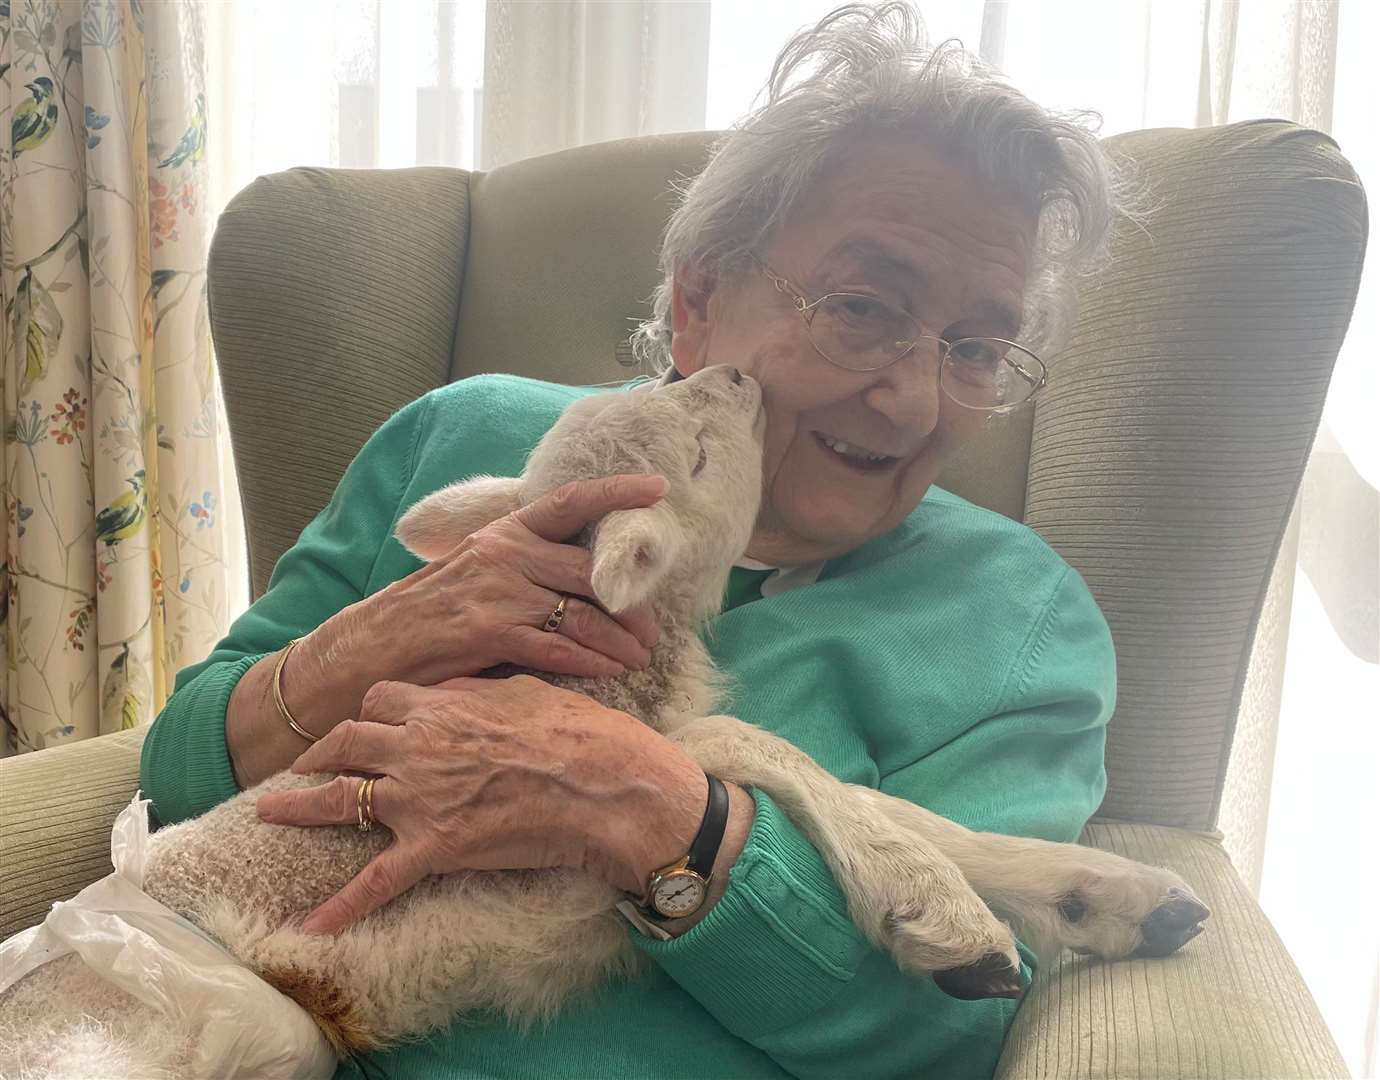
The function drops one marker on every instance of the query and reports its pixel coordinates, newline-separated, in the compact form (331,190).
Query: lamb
(527,943)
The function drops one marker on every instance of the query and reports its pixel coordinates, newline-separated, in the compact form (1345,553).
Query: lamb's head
(703,434)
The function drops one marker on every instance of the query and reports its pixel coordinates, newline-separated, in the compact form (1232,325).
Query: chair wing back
(1166,456)
(332,297)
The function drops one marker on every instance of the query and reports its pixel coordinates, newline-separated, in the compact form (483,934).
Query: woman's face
(897,221)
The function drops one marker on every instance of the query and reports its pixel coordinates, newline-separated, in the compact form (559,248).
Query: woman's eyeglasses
(865,333)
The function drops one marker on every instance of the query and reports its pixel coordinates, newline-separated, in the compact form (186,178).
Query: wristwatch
(680,889)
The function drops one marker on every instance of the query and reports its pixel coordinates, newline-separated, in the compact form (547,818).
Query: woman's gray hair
(865,69)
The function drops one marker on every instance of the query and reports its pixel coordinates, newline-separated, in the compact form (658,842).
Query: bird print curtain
(113,558)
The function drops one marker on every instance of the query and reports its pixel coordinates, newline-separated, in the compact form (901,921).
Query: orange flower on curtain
(114,560)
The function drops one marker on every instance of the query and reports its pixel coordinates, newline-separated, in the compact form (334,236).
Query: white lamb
(526,943)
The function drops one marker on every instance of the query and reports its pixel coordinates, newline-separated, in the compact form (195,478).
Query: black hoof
(1173,924)
(992,976)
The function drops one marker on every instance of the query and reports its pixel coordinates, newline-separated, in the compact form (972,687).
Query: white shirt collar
(783,578)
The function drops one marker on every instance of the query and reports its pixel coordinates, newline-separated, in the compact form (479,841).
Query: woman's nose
(907,393)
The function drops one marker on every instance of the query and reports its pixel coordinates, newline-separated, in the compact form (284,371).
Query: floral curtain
(114,559)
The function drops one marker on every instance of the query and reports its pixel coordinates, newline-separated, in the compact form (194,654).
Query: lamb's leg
(903,893)
(1063,895)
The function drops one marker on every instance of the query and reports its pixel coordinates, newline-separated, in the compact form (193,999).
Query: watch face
(677,894)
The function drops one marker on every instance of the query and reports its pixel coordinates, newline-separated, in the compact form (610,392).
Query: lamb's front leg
(1063,895)
(903,893)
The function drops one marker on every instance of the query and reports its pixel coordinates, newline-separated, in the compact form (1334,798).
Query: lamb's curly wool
(526,943)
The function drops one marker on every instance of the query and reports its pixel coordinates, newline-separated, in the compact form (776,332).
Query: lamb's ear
(434,526)
(633,550)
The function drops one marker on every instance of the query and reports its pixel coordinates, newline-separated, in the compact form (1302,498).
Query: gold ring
(364,803)
(553,621)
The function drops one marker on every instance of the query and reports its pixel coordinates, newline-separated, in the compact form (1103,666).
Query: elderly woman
(869,246)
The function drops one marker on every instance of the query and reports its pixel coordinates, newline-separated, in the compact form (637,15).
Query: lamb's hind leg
(1063,895)
(903,893)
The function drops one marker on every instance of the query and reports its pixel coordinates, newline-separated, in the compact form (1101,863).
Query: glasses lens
(989,373)
(861,332)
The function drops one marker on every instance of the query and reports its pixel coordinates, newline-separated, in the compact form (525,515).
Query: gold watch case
(675,892)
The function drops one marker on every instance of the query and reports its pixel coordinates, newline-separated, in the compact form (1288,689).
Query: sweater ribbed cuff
(185,766)
(777,946)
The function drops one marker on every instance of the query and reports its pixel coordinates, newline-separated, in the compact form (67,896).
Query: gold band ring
(553,621)
(364,803)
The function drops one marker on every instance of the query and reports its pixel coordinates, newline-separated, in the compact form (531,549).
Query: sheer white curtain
(402,82)
(560,73)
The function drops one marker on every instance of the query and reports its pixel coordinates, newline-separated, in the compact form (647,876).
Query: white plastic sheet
(242,1026)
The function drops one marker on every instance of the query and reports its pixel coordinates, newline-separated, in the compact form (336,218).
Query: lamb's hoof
(1177,921)
(992,976)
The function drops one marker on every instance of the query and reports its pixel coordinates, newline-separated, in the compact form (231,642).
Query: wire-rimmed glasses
(864,333)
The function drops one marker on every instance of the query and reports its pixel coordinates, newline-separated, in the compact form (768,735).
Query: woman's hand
(484,603)
(496,774)
(481,605)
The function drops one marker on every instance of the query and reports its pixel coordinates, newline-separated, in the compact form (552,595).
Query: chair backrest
(1161,462)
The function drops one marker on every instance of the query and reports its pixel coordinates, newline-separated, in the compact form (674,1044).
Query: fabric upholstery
(333,295)
(562,254)
(1231,1004)
(56,810)
(1171,441)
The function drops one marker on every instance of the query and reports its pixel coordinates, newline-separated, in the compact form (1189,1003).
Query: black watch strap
(704,849)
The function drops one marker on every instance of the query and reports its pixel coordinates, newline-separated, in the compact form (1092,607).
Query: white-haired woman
(885,245)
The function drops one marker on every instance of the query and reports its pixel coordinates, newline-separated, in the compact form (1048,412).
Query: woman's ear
(433,527)
(690,293)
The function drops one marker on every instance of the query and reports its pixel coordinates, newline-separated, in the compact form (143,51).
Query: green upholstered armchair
(1162,462)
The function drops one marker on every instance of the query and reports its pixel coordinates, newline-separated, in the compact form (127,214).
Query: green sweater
(956,661)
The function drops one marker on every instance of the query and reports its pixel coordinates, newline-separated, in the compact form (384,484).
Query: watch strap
(704,849)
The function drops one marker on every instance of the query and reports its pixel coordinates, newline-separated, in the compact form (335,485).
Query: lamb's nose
(737,377)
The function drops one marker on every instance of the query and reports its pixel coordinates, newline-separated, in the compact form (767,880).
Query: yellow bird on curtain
(125,515)
(35,119)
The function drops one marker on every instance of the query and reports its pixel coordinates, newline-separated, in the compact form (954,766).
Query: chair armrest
(1231,1004)
(57,807)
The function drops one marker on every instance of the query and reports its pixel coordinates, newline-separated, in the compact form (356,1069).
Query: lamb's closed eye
(703,456)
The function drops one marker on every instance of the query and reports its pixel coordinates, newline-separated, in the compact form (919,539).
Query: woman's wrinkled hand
(496,774)
(484,603)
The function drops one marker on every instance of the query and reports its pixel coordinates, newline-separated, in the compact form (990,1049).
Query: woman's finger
(389,704)
(334,803)
(352,746)
(641,622)
(560,514)
(559,655)
(561,568)
(389,875)
(589,625)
